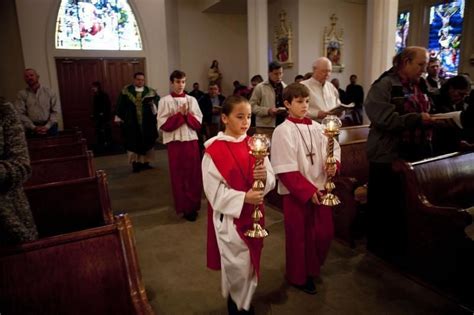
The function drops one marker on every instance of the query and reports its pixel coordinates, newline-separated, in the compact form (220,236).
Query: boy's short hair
(177,74)
(274,65)
(295,90)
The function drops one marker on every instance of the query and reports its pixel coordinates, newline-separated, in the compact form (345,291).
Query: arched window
(97,25)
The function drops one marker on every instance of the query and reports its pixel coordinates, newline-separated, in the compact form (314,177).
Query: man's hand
(272,111)
(41,130)
(322,114)
(426,119)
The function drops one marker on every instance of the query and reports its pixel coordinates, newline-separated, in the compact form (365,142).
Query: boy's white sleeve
(271,182)
(221,197)
(283,158)
(163,113)
(196,110)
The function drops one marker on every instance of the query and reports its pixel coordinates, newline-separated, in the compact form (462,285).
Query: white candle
(331,126)
(258,144)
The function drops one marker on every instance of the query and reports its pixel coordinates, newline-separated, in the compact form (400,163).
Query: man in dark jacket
(101,115)
(397,106)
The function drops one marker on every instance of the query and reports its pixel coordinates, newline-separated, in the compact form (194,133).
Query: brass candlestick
(331,125)
(259,144)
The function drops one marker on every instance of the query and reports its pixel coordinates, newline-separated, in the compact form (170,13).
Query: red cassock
(308,228)
(184,160)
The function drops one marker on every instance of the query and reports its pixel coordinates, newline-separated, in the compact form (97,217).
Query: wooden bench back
(62,138)
(94,271)
(61,169)
(72,205)
(354,161)
(51,151)
(447,180)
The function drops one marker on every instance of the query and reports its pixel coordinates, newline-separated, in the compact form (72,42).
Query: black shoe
(308,287)
(191,216)
(136,167)
(146,166)
(231,307)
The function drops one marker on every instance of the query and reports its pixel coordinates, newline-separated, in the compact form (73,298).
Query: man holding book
(324,96)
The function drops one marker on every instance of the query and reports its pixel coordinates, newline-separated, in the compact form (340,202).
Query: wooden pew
(437,193)
(94,271)
(72,205)
(61,169)
(51,151)
(64,137)
(354,173)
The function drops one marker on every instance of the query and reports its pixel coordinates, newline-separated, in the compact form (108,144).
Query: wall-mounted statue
(333,44)
(283,42)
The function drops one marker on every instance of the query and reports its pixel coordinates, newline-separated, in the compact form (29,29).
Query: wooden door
(75,76)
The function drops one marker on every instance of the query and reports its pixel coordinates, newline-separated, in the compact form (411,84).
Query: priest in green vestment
(136,112)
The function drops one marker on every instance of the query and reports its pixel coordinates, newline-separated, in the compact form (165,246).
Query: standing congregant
(397,106)
(324,96)
(267,100)
(136,112)
(355,94)
(179,117)
(38,107)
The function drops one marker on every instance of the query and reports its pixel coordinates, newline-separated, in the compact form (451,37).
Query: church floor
(172,255)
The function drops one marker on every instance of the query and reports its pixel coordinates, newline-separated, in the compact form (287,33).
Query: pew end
(94,271)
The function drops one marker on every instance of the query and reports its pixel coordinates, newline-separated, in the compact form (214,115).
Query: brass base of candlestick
(256,232)
(330,200)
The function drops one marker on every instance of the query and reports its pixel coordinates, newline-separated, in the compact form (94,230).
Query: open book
(453,116)
(340,108)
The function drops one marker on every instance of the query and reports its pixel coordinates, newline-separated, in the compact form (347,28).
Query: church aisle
(172,254)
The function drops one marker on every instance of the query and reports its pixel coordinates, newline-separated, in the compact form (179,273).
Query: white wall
(314,16)
(207,36)
(172,35)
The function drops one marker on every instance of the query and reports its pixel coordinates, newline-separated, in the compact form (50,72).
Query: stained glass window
(401,34)
(97,25)
(445,35)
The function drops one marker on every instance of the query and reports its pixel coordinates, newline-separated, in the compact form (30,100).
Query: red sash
(233,161)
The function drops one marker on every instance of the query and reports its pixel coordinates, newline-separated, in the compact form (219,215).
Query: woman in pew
(16,219)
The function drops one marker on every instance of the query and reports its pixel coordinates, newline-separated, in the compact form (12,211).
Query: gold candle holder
(259,145)
(331,125)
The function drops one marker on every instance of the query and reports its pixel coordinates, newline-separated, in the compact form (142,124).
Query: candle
(331,126)
(258,144)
